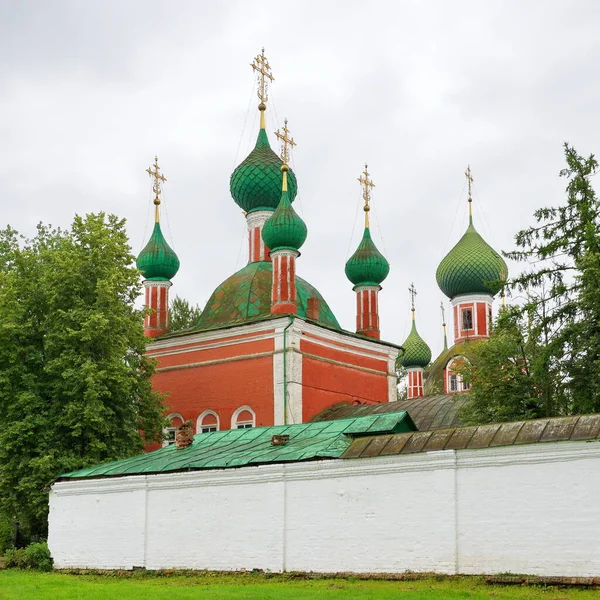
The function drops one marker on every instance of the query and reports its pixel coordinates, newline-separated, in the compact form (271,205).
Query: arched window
(243,418)
(454,381)
(176,421)
(208,421)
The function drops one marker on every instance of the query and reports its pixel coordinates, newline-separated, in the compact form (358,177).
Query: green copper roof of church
(245,447)
(256,182)
(471,267)
(416,352)
(284,228)
(246,296)
(158,261)
(367,266)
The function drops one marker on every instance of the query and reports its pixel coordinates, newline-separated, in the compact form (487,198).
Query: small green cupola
(255,184)
(472,266)
(367,266)
(284,228)
(157,261)
(416,352)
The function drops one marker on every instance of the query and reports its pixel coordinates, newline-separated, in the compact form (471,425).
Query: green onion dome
(367,266)
(157,261)
(471,267)
(416,352)
(256,182)
(284,228)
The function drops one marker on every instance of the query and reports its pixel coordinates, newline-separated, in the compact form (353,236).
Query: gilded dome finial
(367,185)
(284,229)
(444,325)
(287,143)
(412,290)
(470,184)
(154,171)
(260,65)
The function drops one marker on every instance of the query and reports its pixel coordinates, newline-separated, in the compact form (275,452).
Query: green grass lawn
(57,586)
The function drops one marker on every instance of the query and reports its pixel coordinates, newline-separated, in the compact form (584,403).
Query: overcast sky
(90,91)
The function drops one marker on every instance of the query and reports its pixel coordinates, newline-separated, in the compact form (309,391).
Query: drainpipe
(291,317)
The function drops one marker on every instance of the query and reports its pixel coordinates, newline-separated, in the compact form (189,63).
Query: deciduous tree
(182,314)
(75,386)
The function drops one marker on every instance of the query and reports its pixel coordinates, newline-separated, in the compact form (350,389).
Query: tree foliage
(507,374)
(75,386)
(182,314)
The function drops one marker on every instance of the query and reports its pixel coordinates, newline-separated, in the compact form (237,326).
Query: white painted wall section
(523,509)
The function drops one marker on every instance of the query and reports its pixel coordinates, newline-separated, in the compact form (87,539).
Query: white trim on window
(235,424)
(200,428)
(454,381)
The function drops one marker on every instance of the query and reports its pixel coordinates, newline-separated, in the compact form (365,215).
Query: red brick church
(267,349)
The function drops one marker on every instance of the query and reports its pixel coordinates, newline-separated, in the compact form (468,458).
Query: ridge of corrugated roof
(427,412)
(554,429)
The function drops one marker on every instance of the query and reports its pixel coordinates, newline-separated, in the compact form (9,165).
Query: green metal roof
(284,228)
(367,266)
(255,184)
(246,297)
(471,267)
(245,447)
(416,352)
(158,261)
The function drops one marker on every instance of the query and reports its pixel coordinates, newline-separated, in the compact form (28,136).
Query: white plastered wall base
(522,509)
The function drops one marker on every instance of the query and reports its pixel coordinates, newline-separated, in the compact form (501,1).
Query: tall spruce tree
(75,386)
(563,250)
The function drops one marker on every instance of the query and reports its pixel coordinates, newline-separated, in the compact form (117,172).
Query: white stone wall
(522,509)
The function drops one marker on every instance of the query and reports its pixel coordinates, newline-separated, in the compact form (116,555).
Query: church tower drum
(471,274)
(158,263)
(285,233)
(417,354)
(255,184)
(366,269)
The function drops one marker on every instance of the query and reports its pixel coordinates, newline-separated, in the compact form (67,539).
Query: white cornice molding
(258,218)
(217,334)
(343,338)
(471,298)
(217,344)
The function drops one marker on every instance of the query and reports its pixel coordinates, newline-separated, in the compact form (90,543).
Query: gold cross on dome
(287,142)
(412,290)
(367,185)
(260,65)
(469,180)
(154,171)
(443,314)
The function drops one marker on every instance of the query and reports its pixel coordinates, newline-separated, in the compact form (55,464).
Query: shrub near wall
(35,556)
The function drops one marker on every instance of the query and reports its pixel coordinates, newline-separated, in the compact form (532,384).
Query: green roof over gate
(246,447)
